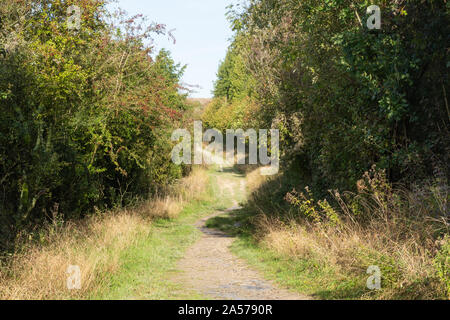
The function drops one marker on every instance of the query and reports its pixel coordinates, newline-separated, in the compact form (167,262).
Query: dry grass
(393,229)
(39,271)
(193,187)
(405,265)
(255,180)
(95,244)
(165,207)
(171,204)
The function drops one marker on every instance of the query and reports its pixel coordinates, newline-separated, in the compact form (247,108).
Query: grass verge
(325,251)
(148,266)
(305,276)
(122,254)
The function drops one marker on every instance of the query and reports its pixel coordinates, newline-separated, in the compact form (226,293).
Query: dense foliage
(86,115)
(364,122)
(344,97)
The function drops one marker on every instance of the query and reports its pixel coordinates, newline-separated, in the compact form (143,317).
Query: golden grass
(351,253)
(165,207)
(39,272)
(254,180)
(397,233)
(193,187)
(95,244)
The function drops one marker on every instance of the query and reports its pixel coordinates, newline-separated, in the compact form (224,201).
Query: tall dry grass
(402,232)
(38,270)
(170,204)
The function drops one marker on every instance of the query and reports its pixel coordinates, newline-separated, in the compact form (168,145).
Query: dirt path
(212,270)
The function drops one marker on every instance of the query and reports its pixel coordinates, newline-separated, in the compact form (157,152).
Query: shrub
(86,116)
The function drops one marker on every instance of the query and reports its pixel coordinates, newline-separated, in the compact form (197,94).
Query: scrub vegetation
(364,124)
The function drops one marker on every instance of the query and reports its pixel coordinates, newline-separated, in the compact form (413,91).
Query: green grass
(313,277)
(305,276)
(147,267)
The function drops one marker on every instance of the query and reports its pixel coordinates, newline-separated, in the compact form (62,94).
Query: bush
(86,115)
(345,97)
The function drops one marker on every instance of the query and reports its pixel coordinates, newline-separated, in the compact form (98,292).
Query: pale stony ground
(210,268)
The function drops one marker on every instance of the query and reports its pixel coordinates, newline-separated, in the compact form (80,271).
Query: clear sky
(202,35)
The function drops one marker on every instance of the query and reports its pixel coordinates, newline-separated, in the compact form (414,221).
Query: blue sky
(202,35)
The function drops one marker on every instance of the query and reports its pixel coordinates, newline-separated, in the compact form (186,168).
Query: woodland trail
(212,270)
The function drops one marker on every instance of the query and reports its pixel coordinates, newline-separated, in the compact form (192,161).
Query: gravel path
(212,270)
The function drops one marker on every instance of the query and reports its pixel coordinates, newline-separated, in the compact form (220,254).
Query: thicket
(86,115)
(344,97)
(364,125)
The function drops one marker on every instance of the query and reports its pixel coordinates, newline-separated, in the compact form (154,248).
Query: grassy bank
(319,249)
(147,267)
(127,253)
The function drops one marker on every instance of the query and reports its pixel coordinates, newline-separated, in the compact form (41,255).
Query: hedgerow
(86,115)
